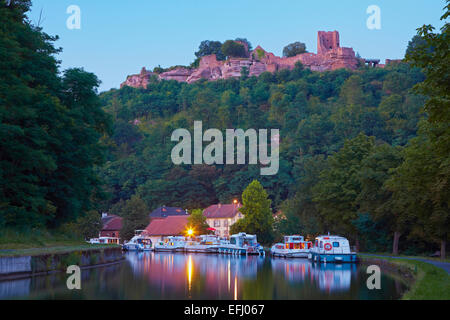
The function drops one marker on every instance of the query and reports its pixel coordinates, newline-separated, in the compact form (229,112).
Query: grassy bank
(36,242)
(430,282)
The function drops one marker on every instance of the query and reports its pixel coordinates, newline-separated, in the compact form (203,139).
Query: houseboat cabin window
(336,244)
(233,240)
(321,244)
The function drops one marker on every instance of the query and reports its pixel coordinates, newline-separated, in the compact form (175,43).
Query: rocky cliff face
(330,56)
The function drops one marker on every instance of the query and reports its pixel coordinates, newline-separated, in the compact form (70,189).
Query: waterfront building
(111,225)
(221,217)
(161,228)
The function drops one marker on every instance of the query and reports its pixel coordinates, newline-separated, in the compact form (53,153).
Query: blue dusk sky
(118,38)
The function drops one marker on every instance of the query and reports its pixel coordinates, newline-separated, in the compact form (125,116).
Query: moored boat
(204,243)
(293,247)
(334,249)
(140,242)
(171,244)
(104,240)
(242,244)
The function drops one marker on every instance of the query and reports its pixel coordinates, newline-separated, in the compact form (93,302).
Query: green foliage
(293,49)
(244,73)
(244,40)
(135,217)
(197,221)
(50,127)
(339,185)
(233,49)
(421,184)
(85,227)
(257,213)
(261,54)
(208,47)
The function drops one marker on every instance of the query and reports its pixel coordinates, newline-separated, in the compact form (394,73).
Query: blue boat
(332,249)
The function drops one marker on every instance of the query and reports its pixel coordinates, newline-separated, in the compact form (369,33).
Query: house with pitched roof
(222,216)
(111,225)
(161,228)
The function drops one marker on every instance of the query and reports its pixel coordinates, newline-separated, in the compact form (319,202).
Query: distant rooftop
(163,212)
(218,211)
(111,222)
(170,226)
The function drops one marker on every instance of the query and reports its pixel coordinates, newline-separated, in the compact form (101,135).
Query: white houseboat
(334,249)
(204,243)
(140,242)
(293,247)
(171,244)
(242,244)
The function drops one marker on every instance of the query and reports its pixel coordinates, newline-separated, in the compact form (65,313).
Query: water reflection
(200,276)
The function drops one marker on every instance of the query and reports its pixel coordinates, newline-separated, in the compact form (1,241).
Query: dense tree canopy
(234,49)
(208,47)
(50,128)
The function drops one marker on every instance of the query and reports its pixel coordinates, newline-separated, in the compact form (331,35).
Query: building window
(216,223)
(225,223)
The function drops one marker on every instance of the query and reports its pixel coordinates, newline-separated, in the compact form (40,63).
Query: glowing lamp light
(190,232)
(235,201)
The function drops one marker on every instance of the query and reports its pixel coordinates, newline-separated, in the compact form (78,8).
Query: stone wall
(12,267)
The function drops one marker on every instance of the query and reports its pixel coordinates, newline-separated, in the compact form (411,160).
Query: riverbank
(425,281)
(22,266)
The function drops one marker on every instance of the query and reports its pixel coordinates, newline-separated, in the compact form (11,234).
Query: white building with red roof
(222,216)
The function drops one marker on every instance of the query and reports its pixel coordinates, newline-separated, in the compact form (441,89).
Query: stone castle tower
(327,41)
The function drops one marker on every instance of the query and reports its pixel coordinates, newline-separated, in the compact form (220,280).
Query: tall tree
(293,49)
(135,217)
(339,185)
(197,221)
(426,170)
(208,47)
(257,213)
(375,198)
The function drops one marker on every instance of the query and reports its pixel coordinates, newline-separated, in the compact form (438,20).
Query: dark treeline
(50,126)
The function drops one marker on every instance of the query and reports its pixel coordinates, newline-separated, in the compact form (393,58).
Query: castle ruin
(330,56)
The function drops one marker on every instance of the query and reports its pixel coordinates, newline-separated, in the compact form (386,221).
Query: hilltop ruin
(330,56)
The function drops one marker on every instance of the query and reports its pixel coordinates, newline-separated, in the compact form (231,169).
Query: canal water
(152,275)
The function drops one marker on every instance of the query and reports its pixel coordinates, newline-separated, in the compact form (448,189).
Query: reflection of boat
(332,249)
(171,244)
(242,243)
(293,247)
(292,270)
(334,277)
(205,243)
(140,242)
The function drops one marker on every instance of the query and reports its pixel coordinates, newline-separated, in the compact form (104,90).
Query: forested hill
(315,112)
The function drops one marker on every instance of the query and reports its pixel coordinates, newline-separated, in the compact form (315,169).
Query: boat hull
(240,250)
(168,249)
(333,257)
(290,254)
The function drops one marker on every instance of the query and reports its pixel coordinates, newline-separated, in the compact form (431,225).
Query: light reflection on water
(201,276)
